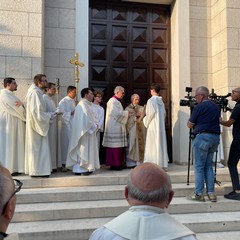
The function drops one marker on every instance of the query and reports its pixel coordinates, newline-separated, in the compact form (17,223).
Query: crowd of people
(45,136)
(131,136)
(134,137)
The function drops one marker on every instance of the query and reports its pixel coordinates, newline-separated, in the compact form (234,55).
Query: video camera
(221,101)
(191,101)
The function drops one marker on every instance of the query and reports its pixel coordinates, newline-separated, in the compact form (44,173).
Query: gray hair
(237,89)
(203,90)
(158,195)
(6,189)
(118,88)
(133,96)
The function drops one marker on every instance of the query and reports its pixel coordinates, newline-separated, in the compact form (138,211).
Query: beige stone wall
(215,53)
(21,44)
(200,43)
(226,53)
(59,42)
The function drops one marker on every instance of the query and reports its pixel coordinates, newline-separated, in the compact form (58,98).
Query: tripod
(189,153)
(215,170)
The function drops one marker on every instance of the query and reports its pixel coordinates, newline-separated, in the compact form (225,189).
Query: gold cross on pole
(77,64)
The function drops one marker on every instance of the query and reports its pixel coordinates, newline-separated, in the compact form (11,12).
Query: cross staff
(80,64)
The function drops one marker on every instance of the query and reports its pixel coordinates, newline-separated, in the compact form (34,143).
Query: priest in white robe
(12,128)
(99,113)
(83,155)
(149,193)
(66,107)
(115,135)
(154,121)
(52,133)
(37,151)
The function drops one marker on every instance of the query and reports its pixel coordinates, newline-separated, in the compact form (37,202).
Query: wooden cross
(77,64)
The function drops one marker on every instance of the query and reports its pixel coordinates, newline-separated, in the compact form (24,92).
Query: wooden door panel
(130,46)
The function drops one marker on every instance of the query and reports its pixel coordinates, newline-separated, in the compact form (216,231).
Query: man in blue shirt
(204,121)
(234,153)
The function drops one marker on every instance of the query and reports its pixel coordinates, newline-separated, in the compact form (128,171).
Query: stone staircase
(66,206)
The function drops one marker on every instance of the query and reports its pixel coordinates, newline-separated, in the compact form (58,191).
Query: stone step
(65,194)
(105,177)
(66,206)
(81,229)
(111,208)
(233,235)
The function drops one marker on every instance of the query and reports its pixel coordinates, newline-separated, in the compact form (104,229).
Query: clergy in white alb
(99,113)
(154,121)
(52,133)
(149,193)
(115,135)
(66,107)
(37,150)
(12,128)
(83,155)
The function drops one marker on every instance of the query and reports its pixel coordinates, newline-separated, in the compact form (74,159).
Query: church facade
(201,47)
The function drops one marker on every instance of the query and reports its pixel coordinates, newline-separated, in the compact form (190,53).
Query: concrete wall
(180,57)
(21,41)
(225,53)
(59,42)
(200,43)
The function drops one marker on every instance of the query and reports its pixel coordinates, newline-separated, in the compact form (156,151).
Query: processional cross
(77,64)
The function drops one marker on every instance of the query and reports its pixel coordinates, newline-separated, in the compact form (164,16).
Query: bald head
(148,177)
(4,171)
(149,184)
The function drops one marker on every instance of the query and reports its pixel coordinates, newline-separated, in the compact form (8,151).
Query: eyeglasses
(18,185)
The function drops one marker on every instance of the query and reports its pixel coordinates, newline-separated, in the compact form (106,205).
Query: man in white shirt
(148,192)
(66,107)
(12,128)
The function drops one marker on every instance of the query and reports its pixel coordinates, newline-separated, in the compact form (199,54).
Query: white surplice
(66,107)
(37,154)
(99,113)
(156,142)
(12,132)
(83,148)
(115,135)
(146,223)
(52,133)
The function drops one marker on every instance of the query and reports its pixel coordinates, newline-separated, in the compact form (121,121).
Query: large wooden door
(130,46)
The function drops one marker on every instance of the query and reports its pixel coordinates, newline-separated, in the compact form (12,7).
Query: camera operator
(204,121)
(234,153)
